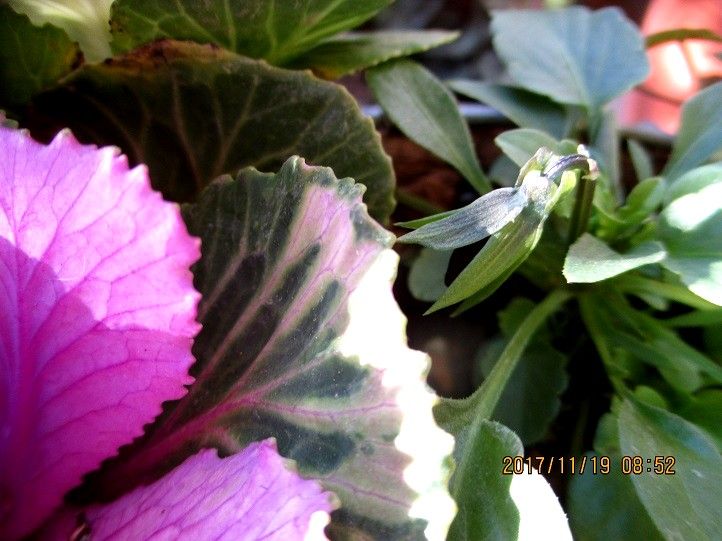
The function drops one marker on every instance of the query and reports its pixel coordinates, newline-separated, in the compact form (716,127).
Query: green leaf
(524,108)
(572,55)
(485,507)
(592,260)
(704,409)
(681,34)
(482,514)
(427,274)
(275,31)
(294,276)
(684,505)
(84,21)
(691,229)
(469,224)
(626,337)
(641,160)
(505,250)
(700,132)
(530,400)
(348,53)
(605,506)
(421,106)
(193,112)
(694,180)
(522,143)
(31,58)
(643,200)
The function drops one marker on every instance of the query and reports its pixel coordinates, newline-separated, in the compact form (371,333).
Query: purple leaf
(250,495)
(97,315)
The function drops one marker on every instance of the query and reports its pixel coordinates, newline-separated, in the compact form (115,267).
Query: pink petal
(97,315)
(250,495)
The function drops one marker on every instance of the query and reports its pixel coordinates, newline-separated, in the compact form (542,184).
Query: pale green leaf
(428,270)
(685,505)
(422,107)
(522,143)
(700,132)
(572,55)
(694,180)
(641,160)
(592,260)
(524,108)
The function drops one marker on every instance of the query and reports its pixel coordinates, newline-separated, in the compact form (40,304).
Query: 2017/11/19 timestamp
(558,464)
(602,465)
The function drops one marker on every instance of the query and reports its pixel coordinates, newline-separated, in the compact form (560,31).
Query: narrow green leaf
(641,160)
(31,58)
(644,199)
(348,53)
(681,34)
(428,270)
(193,112)
(700,132)
(684,505)
(274,31)
(522,143)
(704,409)
(572,55)
(524,108)
(421,106)
(592,260)
(469,224)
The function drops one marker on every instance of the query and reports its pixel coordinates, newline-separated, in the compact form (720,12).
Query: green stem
(582,207)
(417,203)
(493,386)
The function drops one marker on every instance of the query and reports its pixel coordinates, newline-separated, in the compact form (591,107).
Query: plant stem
(417,203)
(493,386)
(584,196)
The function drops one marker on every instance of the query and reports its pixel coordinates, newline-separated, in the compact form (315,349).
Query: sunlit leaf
(293,276)
(572,55)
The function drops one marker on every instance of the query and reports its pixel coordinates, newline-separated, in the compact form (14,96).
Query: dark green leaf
(31,58)
(700,132)
(572,55)
(421,106)
(469,224)
(605,506)
(684,505)
(704,409)
(275,31)
(193,112)
(592,260)
(294,275)
(524,108)
(352,52)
